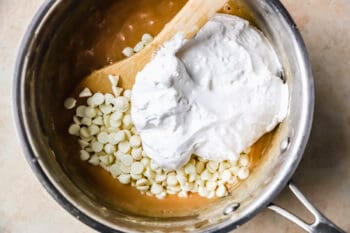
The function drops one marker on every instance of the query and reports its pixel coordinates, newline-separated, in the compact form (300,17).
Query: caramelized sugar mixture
(102,38)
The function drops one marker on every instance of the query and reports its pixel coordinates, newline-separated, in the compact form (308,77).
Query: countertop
(324,172)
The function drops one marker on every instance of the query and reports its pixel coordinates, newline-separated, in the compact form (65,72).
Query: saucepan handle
(321,223)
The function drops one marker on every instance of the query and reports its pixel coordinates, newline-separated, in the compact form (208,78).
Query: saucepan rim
(275,187)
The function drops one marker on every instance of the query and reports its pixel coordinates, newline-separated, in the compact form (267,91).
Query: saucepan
(40,82)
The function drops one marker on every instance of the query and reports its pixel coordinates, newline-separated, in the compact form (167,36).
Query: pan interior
(72,41)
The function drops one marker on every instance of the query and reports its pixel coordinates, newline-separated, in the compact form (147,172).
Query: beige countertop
(323,175)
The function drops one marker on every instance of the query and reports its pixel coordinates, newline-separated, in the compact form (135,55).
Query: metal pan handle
(321,223)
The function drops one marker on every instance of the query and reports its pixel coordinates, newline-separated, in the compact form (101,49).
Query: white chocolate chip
(181,179)
(161,195)
(106,121)
(116,116)
(137,168)
(97,99)
(135,141)
(109,148)
(139,46)
(89,149)
(135,176)
(244,160)
(182,194)
(234,170)
(146,161)
(173,189)
(70,103)
(128,52)
(117,91)
(89,112)
(103,129)
(115,138)
(172,180)
(212,166)
(114,80)
(85,93)
(148,173)
(124,146)
(225,175)
(190,169)
(90,102)
(109,98)
(214,176)
(121,103)
(106,108)
(211,185)
(154,166)
(243,173)
(104,159)
(103,137)
(127,94)
(84,132)
(192,177)
(233,180)
(76,120)
(133,130)
(187,187)
(200,182)
(202,192)
(84,155)
(115,124)
(142,182)
(94,129)
(96,146)
(147,38)
(205,175)
(156,189)
(210,194)
(98,120)
(86,121)
(80,111)
(83,143)
(124,179)
(94,160)
(136,153)
(125,169)
(126,160)
(160,178)
(221,191)
(74,129)
(115,170)
(118,155)
(127,133)
(142,188)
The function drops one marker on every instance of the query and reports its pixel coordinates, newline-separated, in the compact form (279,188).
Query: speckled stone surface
(323,175)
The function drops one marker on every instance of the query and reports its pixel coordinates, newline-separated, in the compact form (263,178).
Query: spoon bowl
(188,21)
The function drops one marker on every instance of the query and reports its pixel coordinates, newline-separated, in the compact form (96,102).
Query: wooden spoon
(188,21)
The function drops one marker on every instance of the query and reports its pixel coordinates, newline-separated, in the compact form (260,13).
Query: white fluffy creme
(214,95)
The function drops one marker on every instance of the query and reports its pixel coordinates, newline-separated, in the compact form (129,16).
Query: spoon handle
(190,19)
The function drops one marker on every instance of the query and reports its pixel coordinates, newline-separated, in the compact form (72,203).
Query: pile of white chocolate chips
(108,138)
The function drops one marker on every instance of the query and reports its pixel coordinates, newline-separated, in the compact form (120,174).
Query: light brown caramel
(120,25)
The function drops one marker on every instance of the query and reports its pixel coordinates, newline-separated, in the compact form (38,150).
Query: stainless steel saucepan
(39,86)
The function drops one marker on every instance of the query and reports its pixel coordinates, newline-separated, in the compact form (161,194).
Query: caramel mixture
(122,24)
